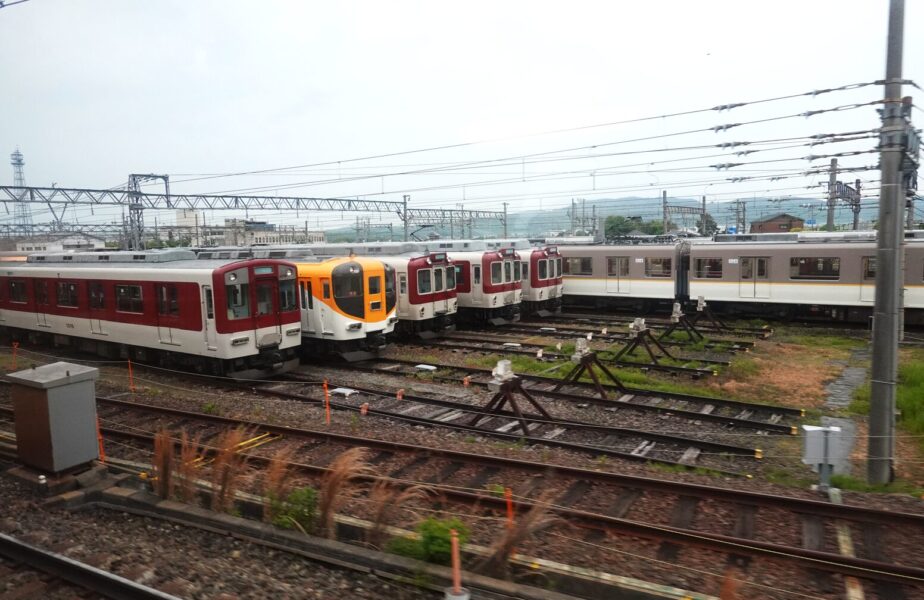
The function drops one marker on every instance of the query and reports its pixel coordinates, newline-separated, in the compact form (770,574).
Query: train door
(617,275)
(97,306)
(403,298)
(208,318)
(327,315)
(166,302)
(40,289)
(308,315)
(477,290)
(754,277)
(266,293)
(868,283)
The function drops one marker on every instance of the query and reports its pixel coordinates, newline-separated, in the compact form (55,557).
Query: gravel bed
(187,562)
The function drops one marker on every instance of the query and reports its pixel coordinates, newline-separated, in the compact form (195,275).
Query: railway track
(729,413)
(655,323)
(27,571)
(677,517)
(706,367)
(572,331)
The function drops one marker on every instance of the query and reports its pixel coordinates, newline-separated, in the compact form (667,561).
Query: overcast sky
(97,89)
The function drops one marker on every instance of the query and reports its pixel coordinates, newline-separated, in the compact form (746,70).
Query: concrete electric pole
(832,195)
(888,261)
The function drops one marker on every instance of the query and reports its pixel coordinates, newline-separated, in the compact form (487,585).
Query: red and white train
(541,272)
(489,283)
(227,317)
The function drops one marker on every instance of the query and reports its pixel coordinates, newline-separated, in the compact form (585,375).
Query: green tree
(653,227)
(617,225)
(710,226)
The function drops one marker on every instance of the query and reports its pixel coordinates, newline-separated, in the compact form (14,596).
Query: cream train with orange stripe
(825,277)
(347,303)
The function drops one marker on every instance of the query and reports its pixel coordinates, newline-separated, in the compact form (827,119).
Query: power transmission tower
(134,237)
(22,213)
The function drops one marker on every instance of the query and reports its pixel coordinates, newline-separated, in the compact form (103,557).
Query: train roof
(126,259)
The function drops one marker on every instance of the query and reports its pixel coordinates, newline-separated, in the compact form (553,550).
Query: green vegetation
(210,408)
(496,489)
(743,367)
(839,342)
(668,468)
(433,542)
(298,510)
(846,482)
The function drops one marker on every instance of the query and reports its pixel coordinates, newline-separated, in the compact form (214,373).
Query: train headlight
(288,272)
(422,311)
(233,276)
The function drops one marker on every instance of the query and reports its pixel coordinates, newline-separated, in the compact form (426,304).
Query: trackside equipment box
(54,408)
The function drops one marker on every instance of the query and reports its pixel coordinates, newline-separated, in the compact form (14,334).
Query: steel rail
(777,427)
(835,563)
(659,323)
(96,580)
(610,336)
(693,371)
(672,439)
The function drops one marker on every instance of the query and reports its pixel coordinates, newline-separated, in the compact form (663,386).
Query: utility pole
(888,262)
(571,212)
(404,216)
(505,220)
(664,219)
(832,195)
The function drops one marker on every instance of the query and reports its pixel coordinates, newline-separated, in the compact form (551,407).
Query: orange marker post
(99,438)
(15,347)
(364,408)
(400,394)
(326,402)
(456,563)
(508,494)
(467,381)
(131,377)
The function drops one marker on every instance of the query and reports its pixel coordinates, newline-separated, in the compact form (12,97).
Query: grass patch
(846,482)
(433,541)
(859,405)
(743,368)
(788,478)
(839,342)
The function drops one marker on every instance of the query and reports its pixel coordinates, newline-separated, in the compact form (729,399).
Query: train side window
(287,299)
(525,269)
(543,269)
(97,295)
(66,294)
(326,290)
(657,267)
(869,268)
(827,268)
(508,275)
(551,268)
(476,274)
(129,299)
(708,268)
(558,270)
(762,268)
(168,302)
(375,285)
(579,266)
(437,279)
(424,283)
(209,304)
(310,297)
(402,284)
(41,292)
(497,275)
(517,271)
(450,278)
(18,291)
(238,301)
(301,285)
